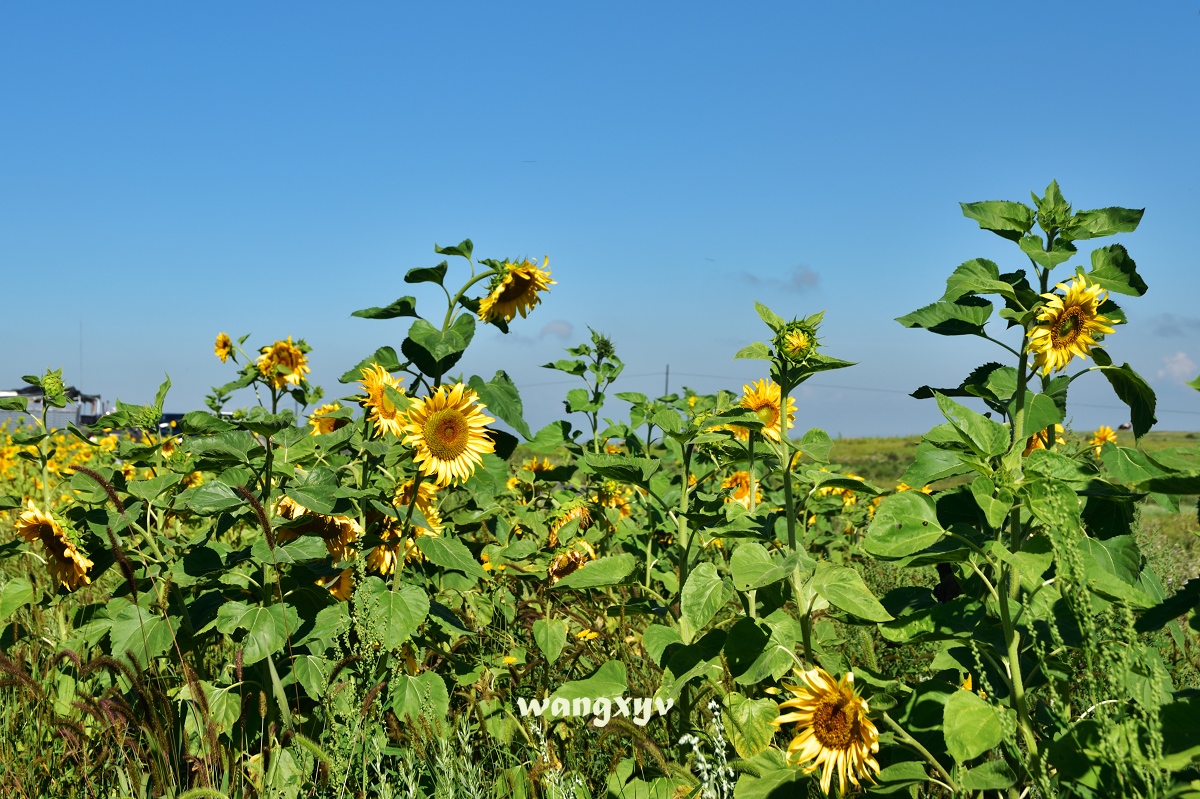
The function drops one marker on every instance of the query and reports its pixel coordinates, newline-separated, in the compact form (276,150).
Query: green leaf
(1102,222)
(1134,392)
(464,249)
(635,471)
(904,524)
(203,423)
(816,444)
(550,438)
(151,488)
(259,421)
(608,681)
(384,356)
(703,595)
(1008,219)
(668,419)
(211,498)
(995,509)
(17,404)
(16,593)
(1033,246)
(962,317)
(972,726)
(317,490)
(405,306)
(136,629)
(400,611)
(266,627)
(753,567)
(609,570)
(233,445)
(843,587)
(501,397)
(1153,619)
(551,637)
(450,553)
(421,697)
(977,276)
(1194,383)
(994,775)
(427,274)
(1041,412)
(933,463)
(656,638)
(1114,270)
(768,776)
(986,437)
(755,351)
(767,315)
(304,549)
(748,723)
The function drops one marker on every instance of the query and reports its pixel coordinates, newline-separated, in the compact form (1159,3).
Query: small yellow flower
(1103,435)
(223,347)
(515,290)
(587,635)
(509,660)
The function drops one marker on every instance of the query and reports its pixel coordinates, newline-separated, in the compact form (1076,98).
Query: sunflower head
(1040,439)
(1103,435)
(796,341)
(833,733)
(68,566)
(514,289)
(448,430)
(283,364)
(738,485)
(763,397)
(381,410)
(1069,325)
(574,510)
(320,421)
(223,347)
(340,586)
(569,562)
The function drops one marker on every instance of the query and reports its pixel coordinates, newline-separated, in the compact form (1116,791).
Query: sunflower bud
(54,390)
(796,341)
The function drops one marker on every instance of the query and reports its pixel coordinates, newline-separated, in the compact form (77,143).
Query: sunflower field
(390,596)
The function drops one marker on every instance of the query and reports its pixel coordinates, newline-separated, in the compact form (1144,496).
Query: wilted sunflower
(283,363)
(1067,325)
(68,565)
(1103,435)
(382,412)
(568,562)
(515,290)
(320,421)
(449,432)
(385,557)
(763,398)
(738,485)
(223,347)
(833,730)
(574,511)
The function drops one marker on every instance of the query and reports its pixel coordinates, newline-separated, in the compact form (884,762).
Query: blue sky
(171,171)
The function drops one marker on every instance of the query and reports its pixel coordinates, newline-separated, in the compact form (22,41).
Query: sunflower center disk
(833,724)
(516,289)
(767,414)
(446,434)
(1068,328)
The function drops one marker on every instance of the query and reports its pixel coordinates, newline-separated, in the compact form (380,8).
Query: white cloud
(559,328)
(1178,367)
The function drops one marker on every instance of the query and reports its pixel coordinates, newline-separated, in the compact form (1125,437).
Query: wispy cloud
(1178,367)
(801,279)
(559,328)
(1173,326)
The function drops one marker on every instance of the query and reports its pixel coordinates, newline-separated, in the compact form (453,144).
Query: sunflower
(448,431)
(738,485)
(68,565)
(763,398)
(340,586)
(283,364)
(577,511)
(568,562)
(223,347)
(833,730)
(321,423)
(382,412)
(338,532)
(1041,438)
(514,289)
(797,341)
(385,557)
(1103,435)
(1067,325)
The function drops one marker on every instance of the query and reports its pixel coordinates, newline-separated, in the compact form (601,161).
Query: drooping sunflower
(574,511)
(1103,435)
(283,364)
(67,564)
(1067,325)
(383,413)
(385,557)
(738,485)
(515,290)
(320,421)
(570,561)
(832,729)
(763,397)
(449,432)
(223,347)
(338,532)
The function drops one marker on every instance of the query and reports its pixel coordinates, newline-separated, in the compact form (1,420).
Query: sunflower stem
(461,292)
(750,471)
(915,744)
